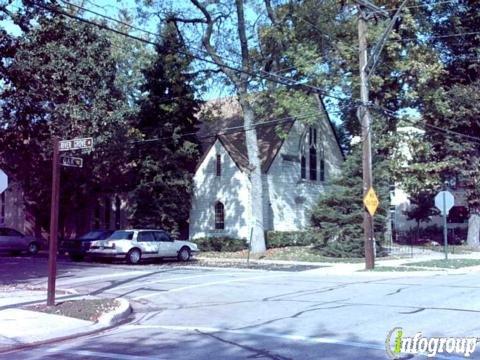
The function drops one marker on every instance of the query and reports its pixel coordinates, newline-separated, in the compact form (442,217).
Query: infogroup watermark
(398,345)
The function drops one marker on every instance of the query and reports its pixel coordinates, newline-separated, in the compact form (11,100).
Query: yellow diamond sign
(371,201)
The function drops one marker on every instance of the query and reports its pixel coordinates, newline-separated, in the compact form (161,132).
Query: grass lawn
(291,253)
(447,264)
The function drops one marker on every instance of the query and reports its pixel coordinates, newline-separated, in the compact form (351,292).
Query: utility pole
(363,114)
(52,255)
(367,67)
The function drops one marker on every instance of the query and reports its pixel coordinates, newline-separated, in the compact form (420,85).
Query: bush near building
(222,243)
(279,239)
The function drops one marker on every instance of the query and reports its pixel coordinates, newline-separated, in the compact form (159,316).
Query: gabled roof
(226,125)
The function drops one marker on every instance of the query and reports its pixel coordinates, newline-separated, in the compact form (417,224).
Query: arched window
(313,163)
(219,165)
(219,216)
(322,169)
(118,204)
(303,167)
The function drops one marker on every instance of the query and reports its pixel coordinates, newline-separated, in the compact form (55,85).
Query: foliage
(278,239)
(59,80)
(422,207)
(222,243)
(163,167)
(338,215)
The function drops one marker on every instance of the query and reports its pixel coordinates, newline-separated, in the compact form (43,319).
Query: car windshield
(121,235)
(93,235)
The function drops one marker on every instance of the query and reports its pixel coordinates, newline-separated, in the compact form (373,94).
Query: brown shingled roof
(225,122)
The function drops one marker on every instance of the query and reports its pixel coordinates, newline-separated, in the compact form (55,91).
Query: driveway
(185,312)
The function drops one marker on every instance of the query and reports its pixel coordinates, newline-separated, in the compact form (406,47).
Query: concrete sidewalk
(345,268)
(20,328)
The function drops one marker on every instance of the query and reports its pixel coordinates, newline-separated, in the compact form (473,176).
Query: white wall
(232,188)
(290,197)
(401,202)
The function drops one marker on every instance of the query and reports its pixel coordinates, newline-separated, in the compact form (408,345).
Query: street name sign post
(76,144)
(64,145)
(444,201)
(3,181)
(370,200)
(71,161)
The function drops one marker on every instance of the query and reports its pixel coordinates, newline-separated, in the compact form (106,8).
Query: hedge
(278,239)
(222,243)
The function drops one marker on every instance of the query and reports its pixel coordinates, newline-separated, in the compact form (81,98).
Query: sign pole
(52,257)
(445,238)
(364,117)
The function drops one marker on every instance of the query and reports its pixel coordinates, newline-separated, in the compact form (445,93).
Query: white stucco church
(297,160)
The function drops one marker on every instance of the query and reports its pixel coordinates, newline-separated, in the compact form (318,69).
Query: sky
(111,8)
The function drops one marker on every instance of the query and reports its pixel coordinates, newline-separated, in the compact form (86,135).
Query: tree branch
(242,35)
(207,38)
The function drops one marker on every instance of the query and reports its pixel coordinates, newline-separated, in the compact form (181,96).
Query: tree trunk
(473,237)
(256,192)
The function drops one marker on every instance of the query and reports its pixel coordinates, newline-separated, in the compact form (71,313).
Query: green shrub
(222,243)
(278,239)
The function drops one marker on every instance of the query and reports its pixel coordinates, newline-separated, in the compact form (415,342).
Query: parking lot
(206,313)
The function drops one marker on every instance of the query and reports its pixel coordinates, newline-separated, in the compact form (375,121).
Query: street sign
(3,181)
(444,197)
(76,144)
(371,201)
(71,161)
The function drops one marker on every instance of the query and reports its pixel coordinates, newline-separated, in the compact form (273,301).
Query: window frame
(303,167)
(313,173)
(141,233)
(158,234)
(218,165)
(219,216)
(322,169)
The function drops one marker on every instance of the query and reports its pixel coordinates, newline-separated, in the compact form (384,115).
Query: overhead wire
(266,75)
(393,114)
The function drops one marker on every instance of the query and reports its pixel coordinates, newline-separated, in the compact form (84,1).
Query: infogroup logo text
(398,345)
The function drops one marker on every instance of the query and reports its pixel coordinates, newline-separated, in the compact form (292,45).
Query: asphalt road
(186,312)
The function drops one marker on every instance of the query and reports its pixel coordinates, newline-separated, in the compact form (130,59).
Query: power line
(393,114)
(419,6)
(428,37)
(281,79)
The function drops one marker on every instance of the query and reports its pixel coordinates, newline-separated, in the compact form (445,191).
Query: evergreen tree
(163,168)
(338,215)
(58,79)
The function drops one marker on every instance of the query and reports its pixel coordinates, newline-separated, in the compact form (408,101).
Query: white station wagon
(134,245)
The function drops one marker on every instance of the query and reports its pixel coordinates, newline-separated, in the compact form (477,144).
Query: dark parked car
(15,242)
(78,247)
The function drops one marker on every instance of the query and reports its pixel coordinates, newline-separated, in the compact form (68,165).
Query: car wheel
(76,257)
(184,254)
(134,256)
(32,248)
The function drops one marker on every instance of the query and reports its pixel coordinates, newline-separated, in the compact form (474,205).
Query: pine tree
(59,79)
(338,215)
(164,167)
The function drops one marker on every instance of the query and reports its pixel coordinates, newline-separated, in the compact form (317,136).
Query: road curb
(106,322)
(116,316)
